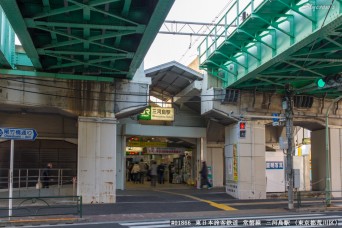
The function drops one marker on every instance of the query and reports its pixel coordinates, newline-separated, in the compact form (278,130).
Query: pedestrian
(171,172)
(160,172)
(46,175)
(129,172)
(143,171)
(153,173)
(135,172)
(204,176)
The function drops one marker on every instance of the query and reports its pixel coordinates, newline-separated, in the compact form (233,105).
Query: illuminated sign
(146,144)
(157,113)
(166,150)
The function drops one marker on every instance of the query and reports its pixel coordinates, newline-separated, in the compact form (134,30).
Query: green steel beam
(67,9)
(18,24)
(298,66)
(242,49)
(295,8)
(90,63)
(77,63)
(271,32)
(270,82)
(333,41)
(53,75)
(124,13)
(305,69)
(81,40)
(319,51)
(38,24)
(273,24)
(120,55)
(157,19)
(316,60)
(82,5)
(21,59)
(257,38)
(223,68)
(289,76)
(7,47)
(231,59)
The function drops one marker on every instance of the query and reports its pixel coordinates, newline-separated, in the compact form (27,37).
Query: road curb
(38,221)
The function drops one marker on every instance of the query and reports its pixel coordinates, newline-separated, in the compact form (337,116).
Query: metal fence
(318,199)
(25,178)
(41,206)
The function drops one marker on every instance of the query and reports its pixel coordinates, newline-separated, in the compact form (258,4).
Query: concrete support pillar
(96,159)
(201,155)
(245,161)
(318,161)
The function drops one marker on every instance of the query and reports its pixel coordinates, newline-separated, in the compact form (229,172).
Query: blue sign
(274,165)
(275,115)
(18,133)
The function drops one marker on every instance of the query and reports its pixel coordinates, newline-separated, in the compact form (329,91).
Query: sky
(166,47)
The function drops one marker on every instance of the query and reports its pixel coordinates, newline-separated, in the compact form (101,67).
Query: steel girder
(305,44)
(95,38)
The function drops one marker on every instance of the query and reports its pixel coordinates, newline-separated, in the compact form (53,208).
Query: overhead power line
(189,28)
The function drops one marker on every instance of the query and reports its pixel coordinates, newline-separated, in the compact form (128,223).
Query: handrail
(208,42)
(25,178)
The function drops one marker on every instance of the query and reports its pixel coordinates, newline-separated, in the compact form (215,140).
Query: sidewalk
(169,201)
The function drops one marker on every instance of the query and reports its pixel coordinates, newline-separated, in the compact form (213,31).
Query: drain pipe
(327,155)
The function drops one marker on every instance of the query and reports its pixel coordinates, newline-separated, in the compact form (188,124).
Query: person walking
(46,175)
(143,171)
(135,172)
(160,172)
(154,174)
(204,176)
(171,172)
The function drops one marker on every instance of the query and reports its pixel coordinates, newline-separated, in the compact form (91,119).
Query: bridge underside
(269,44)
(103,38)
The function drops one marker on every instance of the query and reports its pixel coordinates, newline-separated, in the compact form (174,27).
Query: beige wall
(250,160)
(215,159)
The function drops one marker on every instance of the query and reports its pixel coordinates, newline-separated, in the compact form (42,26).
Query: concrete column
(336,161)
(96,159)
(201,155)
(318,161)
(245,161)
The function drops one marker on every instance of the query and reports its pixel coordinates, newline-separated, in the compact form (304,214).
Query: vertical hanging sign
(235,163)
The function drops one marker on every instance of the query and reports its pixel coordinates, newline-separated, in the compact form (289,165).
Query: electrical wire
(94,92)
(213,23)
(92,98)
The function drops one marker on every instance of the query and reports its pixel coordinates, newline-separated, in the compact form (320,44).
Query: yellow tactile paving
(211,203)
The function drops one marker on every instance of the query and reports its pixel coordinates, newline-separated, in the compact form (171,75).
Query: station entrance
(174,159)
(177,153)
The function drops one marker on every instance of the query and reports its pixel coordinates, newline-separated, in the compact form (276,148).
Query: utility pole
(287,105)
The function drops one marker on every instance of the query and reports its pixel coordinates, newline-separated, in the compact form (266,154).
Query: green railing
(239,11)
(41,206)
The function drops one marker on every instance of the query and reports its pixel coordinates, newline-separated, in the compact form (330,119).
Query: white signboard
(158,113)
